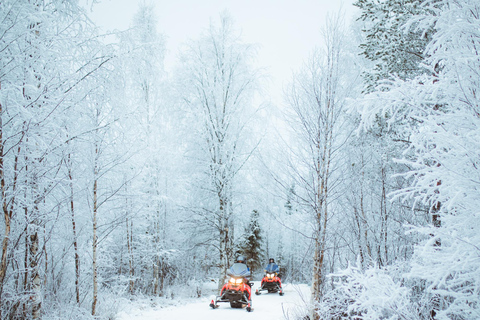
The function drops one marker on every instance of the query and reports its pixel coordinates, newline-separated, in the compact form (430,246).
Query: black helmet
(271,260)
(241,259)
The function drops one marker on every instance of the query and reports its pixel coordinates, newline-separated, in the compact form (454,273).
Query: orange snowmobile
(271,283)
(237,291)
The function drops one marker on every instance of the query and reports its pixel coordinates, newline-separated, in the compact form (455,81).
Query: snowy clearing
(267,306)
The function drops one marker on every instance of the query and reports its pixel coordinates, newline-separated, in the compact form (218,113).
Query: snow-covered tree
(445,153)
(317,98)
(146,126)
(48,52)
(396,48)
(251,246)
(217,86)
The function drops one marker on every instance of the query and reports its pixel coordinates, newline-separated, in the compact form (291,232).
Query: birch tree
(103,161)
(38,81)
(218,84)
(317,98)
(143,103)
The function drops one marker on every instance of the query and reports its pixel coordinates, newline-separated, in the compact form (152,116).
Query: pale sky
(286,30)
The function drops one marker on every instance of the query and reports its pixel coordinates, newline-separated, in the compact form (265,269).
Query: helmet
(271,260)
(241,259)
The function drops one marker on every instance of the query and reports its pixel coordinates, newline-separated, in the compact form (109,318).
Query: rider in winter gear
(272,266)
(271,282)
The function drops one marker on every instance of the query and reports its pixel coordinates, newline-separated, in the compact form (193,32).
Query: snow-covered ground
(267,306)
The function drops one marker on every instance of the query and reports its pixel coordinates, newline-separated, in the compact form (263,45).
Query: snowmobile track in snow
(267,306)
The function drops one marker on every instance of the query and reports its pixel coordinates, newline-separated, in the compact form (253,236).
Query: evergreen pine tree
(251,246)
(392,41)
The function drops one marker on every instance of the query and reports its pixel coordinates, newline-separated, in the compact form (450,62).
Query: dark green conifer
(251,246)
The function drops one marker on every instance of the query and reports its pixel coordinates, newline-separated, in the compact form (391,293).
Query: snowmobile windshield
(272,267)
(239,270)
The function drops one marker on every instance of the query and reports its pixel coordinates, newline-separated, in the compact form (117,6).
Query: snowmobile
(237,291)
(272,283)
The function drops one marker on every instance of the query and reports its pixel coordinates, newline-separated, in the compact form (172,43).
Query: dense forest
(122,181)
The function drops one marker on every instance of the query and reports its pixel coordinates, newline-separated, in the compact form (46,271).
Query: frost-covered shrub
(450,266)
(369,294)
(60,311)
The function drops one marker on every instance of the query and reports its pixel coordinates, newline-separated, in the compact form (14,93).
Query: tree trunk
(32,230)
(324,153)
(385,234)
(383,229)
(74,231)
(35,296)
(223,256)
(155,276)
(436,302)
(163,274)
(159,240)
(3,264)
(26,287)
(359,236)
(224,241)
(131,271)
(7,214)
(45,254)
(94,244)
(364,216)
(75,244)
(320,233)
(365,228)
(317,271)
(26,282)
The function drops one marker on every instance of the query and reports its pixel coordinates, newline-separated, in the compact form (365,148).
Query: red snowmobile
(237,291)
(272,283)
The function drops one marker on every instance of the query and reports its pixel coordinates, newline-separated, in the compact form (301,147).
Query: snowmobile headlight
(236,280)
(270,275)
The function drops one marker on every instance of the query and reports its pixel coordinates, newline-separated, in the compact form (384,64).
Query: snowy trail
(266,307)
